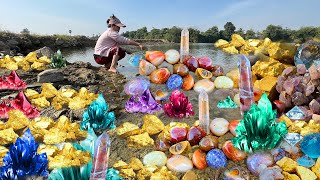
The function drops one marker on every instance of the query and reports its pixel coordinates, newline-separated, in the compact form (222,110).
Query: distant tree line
(274,32)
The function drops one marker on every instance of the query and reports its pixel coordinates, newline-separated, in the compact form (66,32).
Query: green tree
(25,31)
(141,33)
(194,35)
(229,29)
(276,33)
(305,33)
(173,34)
(240,32)
(250,34)
(212,34)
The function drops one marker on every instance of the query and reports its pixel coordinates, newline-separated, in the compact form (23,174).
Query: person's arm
(123,40)
(131,42)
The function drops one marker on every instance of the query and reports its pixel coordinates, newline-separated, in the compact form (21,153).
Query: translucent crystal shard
(296,113)
(292,138)
(101,157)
(184,44)
(204,111)
(245,84)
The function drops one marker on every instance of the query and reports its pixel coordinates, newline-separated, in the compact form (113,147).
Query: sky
(88,17)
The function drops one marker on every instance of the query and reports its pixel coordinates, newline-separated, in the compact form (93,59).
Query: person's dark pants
(106,61)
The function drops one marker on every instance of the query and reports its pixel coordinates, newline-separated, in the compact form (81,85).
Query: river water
(218,57)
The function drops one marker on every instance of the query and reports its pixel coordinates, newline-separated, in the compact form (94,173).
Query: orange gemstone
(257,94)
(155,57)
(233,153)
(209,142)
(203,73)
(160,76)
(180,148)
(188,82)
(199,159)
(232,126)
(180,69)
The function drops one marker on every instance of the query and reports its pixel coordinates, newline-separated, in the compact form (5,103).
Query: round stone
(146,68)
(155,57)
(217,71)
(191,62)
(172,56)
(137,86)
(179,163)
(199,159)
(219,126)
(160,76)
(308,54)
(233,153)
(166,65)
(174,82)
(205,63)
(216,159)
(180,69)
(188,82)
(223,82)
(257,161)
(155,158)
(209,142)
(204,84)
(232,126)
(195,134)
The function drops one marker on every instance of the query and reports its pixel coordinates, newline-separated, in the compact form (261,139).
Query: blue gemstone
(306,161)
(134,60)
(216,158)
(310,145)
(174,82)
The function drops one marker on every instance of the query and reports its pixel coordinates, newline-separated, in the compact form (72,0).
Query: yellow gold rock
(31,94)
(68,93)
(189,175)
(68,157)
(136,164)
(287,120)
(38,66)
(221,43)
(237,40)
(43,122)
(297,126)
(140,140)
(31,57)
(283,52)
(18,58)
(3,152)
(305,173)
(17,120)
(316,168)
(77,103)
(40,102)
(254,42)
(287,164)
(143,174)
(308,130)
(7,136)
(44,59)
(55,136)
(38,133)
(59,102)
(127,173)
(163,174)
(152,124)
(120,165)
(246,49)
(48,90)
(288,176)
(24,65)
(50,150)
(267,85)
(268,68)
(234,75)
(230,50)
(2,125)
(128,129)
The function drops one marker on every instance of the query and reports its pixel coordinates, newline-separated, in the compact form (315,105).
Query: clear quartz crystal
(101,157)
(184,44)
(245,84)
(204,111)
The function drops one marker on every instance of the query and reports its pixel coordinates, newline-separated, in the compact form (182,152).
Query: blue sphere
(174,82)
(134,60)
(216,159)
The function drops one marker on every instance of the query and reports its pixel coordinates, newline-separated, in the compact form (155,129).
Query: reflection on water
(227,61)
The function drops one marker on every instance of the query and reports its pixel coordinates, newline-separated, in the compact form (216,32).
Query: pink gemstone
(191,62)
(205,63)
(178,134)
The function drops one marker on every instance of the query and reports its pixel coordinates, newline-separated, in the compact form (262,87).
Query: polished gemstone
(205,63)
(310,145)
(257,161)
(219,126)
(306,161)
(216,159)
(232,126)
(180,69)
(223,82)
(178,134)
(179,163)
(233,153)
(182,147)
(172,56)
(199,159)
(155,57)
(155,158)
(136,86)
(204,84)
(160,76)
(174,82)
(203,73)
(217,71)
(146,68)
(188,82)
(191,62)
(209,142)
(195,134)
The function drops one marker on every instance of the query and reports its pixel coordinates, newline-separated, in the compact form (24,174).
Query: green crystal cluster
(258,129)
(227,103)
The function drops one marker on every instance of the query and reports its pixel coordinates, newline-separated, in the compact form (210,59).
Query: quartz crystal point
(245,84)
(184,44)
(101,157)
(204,111)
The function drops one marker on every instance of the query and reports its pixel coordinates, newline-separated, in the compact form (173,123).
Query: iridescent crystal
(101,157)
(292,138)
(295,113)
(204,111)
(308,54)
(245,85)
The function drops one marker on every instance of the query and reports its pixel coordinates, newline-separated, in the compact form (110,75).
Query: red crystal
(195,134)
(280,106)
(178,134)
(12,82)
(21,103)
(205,63)
(191,62)
(179,106)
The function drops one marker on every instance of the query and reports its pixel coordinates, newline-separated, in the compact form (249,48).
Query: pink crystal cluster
(300,88)
(179,106)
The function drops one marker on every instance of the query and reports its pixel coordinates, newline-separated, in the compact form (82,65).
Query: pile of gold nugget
(49,132)
(64,98)
(26,63)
